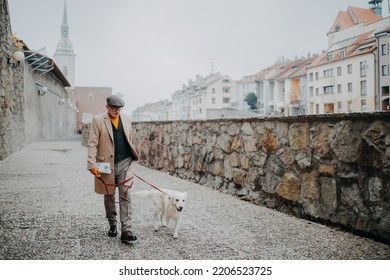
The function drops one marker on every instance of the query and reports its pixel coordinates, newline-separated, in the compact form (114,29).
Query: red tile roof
(353,16)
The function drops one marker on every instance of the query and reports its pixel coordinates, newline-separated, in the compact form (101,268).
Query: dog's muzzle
(179,209)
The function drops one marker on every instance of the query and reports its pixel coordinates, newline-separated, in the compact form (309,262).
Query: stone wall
(333,169)
(12,137)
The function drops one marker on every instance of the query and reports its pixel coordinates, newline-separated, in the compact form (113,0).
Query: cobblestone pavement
(48,210)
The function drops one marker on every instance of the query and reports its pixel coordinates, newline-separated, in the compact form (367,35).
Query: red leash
(149,184)
(128,187)
(118,184)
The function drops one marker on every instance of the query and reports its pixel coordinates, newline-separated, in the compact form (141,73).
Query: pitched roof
(247,79)
(303,66)
(365,15)
(362,44)
(267,72)
(353,16)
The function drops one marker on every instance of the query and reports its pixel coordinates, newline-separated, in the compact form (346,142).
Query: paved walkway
(48,210)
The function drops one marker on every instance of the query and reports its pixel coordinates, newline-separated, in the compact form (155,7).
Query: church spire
(64,26)
(64,55)
(64,45)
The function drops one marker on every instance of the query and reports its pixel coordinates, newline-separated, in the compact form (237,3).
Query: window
(213,100)
(363,68)
(338,71)
(328,108)
(349,87)
(363,88)
(339,107)
(364,105)
(317,109)
(349,68)
(328,90)
(316,75)
(339,88)
(342,53)
(311,77)
(226,81)
(226,100)
(213,90)
(349,106)
(385,70)
(385,49)
(317,91)
(329,57)
(310,91)
(328,73)
(226,90)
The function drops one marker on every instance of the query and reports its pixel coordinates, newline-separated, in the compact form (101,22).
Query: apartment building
(265,89)
(244,86)
(291,87)
(207,97)
(383,39)
(204,98)
(220,96)
(281,89)
(296,98)
(343,79)
(158,111)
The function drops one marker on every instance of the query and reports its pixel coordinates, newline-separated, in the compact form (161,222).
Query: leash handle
(149,184)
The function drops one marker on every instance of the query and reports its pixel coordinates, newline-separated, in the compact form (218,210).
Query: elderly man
(110,145)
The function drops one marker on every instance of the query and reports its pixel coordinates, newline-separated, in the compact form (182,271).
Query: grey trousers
(125,213)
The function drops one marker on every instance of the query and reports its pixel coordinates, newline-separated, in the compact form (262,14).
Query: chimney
(376,6)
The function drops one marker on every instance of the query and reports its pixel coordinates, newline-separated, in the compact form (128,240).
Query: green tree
(251,100)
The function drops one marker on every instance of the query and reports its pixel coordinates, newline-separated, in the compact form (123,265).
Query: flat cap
(115,101)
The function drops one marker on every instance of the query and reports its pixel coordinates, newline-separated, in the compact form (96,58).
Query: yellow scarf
(115,121)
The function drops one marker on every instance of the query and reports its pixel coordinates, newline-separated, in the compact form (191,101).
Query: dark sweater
(121,146)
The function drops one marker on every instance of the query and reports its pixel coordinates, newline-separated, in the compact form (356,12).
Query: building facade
(383,49)
(158,111)
(90,102)
(204,98)
(245,86)
(344,78)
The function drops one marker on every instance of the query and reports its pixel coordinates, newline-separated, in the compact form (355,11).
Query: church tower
(64,56)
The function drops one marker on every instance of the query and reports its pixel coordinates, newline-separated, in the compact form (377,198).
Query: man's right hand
(95,171)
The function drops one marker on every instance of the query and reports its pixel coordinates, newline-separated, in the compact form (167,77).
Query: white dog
(169,206)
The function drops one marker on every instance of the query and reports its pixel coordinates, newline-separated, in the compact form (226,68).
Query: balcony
(327,98)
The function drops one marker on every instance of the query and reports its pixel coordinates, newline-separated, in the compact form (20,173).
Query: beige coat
(101,148)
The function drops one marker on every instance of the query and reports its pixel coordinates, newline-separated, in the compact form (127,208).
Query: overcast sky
(147,49)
